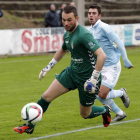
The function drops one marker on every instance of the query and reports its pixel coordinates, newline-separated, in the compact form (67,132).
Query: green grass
(19,85)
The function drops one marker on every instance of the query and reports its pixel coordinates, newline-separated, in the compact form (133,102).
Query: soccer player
(87,60)
(106,37)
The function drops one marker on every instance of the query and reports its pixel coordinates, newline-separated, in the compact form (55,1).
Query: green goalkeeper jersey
(81,45)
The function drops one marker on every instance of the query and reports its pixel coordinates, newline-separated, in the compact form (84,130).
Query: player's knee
(47,97)
(84,115)
(102,95)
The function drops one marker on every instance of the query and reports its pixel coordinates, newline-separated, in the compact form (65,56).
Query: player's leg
(119,93)
(56,89)
(93,111)
(109,80)
(119,113)
(88,110)
(110,77)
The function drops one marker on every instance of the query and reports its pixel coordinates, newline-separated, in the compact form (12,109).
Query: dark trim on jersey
(92,59)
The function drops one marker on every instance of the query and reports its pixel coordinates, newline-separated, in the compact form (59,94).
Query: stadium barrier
(37,40)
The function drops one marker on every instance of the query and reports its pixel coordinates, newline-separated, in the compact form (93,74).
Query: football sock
(44,104)
(110,102)
(96,111)
(120,112)
(114,94)
(31,125)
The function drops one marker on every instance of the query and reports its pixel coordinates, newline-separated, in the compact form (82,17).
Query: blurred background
(31,13)
(23,34)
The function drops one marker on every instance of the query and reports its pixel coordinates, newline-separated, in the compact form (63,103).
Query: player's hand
(90,84)
(128,64)
(46,70)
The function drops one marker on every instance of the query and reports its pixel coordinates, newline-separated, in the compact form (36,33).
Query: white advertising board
(31,40)
(136,35)
(24,41)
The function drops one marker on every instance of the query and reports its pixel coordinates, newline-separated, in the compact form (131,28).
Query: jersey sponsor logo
(77,60)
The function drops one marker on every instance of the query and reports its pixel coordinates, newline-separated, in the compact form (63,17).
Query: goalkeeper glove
(47,68)
(90,84)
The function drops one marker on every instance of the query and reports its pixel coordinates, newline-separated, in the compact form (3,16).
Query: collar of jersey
(96,23)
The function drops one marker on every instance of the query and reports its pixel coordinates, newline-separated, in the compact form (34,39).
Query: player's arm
(90,84)
(59,54)
(93,46)
(122,50)
(112,36)
(101,57)
(57,57)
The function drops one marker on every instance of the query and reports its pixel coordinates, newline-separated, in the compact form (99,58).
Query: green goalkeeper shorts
(71,81)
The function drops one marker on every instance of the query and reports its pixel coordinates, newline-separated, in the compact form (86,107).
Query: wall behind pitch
(26,41)
(30,40)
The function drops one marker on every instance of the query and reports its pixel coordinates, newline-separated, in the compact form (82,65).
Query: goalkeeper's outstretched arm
(57,57)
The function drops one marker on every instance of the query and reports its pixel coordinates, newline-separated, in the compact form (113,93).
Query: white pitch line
(28,60)
(24,60)
(79,130)
(46,58)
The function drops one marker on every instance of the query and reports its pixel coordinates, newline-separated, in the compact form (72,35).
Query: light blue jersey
(105,36)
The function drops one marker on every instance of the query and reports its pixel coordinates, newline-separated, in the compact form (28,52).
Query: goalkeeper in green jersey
(87,60)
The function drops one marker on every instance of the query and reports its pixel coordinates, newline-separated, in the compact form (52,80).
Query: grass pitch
(19,85)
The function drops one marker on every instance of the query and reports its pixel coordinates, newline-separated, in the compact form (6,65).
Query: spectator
(1,14)
(52,17)
(72,4)
(60,14)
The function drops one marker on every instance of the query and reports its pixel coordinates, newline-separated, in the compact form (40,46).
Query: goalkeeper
(87,60)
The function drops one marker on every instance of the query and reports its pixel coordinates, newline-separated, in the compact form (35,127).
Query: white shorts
(110,75)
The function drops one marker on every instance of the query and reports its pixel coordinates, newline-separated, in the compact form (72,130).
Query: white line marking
(25,60)
(16,61)
(133,51)
(83,129)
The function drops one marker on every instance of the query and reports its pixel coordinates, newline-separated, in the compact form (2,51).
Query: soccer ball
(32,113)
